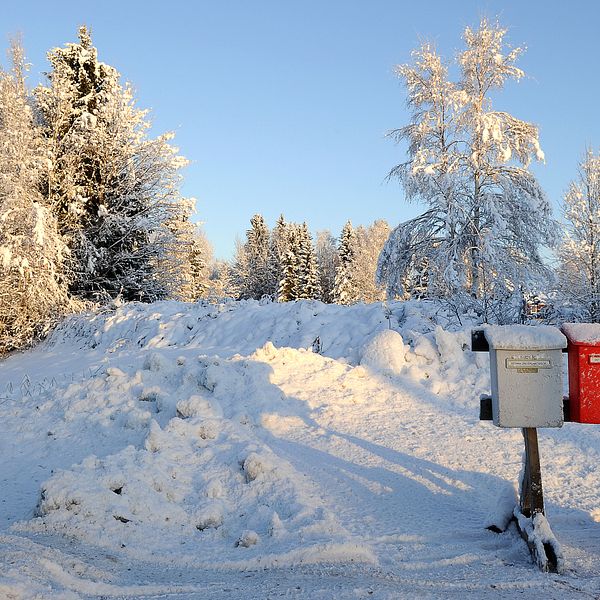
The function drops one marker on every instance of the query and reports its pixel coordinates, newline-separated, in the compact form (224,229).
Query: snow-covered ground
(279,450)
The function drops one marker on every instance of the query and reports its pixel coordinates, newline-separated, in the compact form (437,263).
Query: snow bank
(245,436)
(179,460)
(202,485)
(185,464)
(241,327)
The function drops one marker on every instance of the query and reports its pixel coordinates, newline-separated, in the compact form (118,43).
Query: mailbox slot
(526,375)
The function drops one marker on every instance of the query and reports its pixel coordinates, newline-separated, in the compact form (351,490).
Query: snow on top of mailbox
(524,337)
(582,333)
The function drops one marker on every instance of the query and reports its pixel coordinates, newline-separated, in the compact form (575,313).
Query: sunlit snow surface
(251,451)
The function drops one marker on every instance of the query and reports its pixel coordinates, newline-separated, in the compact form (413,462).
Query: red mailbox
(584,371)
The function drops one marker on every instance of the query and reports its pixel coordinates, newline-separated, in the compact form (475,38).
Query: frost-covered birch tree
(178,250)
(112,188)
(367,248)
(579,253)
(33,280)
(220,281)
(328,261)
(486,216)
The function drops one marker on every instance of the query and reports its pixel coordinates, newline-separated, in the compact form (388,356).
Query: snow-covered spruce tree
(308,286)
(486,214)
(33,283)
(289,286)
(200,260)
(252,261)
(344,291)
(278,247)
(328,261)
(579,253)
(111,188)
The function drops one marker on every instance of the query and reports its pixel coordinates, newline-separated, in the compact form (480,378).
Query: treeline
(285,263)
(90,207)
(486,245)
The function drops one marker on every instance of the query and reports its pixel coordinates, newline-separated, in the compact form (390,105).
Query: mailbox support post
(532,495)
(531,504)
(546,552)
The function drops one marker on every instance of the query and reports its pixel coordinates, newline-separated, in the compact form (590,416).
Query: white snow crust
(524,337)
(582,333)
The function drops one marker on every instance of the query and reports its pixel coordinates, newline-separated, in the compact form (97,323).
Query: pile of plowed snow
(242,327)
(169,426)
(203,484)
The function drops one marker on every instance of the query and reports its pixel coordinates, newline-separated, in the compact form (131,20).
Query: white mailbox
(526,375)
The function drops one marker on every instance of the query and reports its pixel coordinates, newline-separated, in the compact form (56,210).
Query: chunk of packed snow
(500,514)
(450,345)
(384,352)
(248,538)
(425,347)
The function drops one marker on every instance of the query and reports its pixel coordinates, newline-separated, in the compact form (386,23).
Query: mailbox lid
(582,334)
(524,337)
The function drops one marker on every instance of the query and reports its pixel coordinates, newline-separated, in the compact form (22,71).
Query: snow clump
(385,352)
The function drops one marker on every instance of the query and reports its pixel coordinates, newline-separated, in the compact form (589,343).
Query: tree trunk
(475,250)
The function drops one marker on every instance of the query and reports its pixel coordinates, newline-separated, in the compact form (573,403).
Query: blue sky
(282,106)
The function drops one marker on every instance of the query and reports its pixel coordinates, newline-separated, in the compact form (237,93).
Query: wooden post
(542,544)
(531,503)
(532,495)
